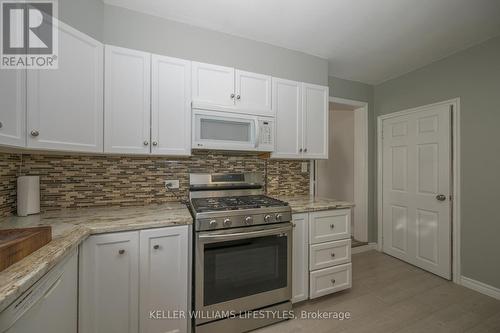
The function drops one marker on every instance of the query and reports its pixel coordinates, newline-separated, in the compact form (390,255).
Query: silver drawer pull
(35,133)
(333,281)
(122,251)
(333,255)
(156,247)
(332,226)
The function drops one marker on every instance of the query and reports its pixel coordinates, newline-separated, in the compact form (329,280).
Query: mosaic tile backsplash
(93,181)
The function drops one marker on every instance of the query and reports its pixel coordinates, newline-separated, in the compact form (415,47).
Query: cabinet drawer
(329,254)
(330,280)
(329,225)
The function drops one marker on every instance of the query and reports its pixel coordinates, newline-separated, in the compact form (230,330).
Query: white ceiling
(364,40)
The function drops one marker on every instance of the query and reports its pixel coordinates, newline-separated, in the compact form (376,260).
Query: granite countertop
(71,227)
(306,204)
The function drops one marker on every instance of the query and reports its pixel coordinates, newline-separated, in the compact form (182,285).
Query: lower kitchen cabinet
(124,276)
(330,280)
(300,271)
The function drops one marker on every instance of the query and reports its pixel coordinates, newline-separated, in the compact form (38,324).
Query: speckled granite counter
(306,204)
(69,229)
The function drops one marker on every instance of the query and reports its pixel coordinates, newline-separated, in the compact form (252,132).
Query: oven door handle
(244,235)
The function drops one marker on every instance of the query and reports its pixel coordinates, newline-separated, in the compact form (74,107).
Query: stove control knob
(267,218)
(227,222)
(248,220)
(279,217)
(213,223)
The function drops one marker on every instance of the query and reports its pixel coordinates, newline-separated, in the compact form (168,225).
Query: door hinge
(451,197)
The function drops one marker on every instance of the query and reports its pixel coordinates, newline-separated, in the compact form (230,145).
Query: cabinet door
(253,93)
(13,107)
(287,103)
(300,267)
(315,121)
(109,284)
(329,225)
(213,85)
(329,280)
(171,106)
(65,105)
(164,278)
(127,101)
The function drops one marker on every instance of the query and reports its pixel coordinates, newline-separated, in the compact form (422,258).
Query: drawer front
(330,280)
(329,226)
(329,254)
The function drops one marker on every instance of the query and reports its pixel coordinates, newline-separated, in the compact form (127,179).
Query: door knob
(155,143)
(146,142)
(232,96)
(441,197)
(156,247)
(34,133)
(238,97)
(122,251)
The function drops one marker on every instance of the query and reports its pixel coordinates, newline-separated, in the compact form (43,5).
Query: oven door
(243,268)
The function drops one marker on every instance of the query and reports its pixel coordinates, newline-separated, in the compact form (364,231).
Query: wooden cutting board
(15,244)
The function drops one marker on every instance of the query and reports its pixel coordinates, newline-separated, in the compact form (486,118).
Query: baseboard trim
(364,248)
(480,287)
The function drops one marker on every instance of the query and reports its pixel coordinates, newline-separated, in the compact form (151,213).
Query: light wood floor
(389,295)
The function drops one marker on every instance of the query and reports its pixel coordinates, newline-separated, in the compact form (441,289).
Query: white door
(171,106)
(164,278)
(213,85)
(109,284)
(416,188)
(13,107)
(65,106)
(253,93)
(127,101)
(315,121)
(287,103)
(300,256)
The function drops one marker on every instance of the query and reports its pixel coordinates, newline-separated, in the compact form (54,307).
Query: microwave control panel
(266,132)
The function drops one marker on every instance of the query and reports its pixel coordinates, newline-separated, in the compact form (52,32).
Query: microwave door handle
(257,132)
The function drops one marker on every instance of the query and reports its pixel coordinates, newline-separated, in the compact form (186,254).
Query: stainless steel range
(243,243)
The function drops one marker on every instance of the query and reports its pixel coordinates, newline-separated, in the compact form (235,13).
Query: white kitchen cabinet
(13,107)
(170,106)
(300,271)
(287,104)
(329,254)
(213,85)
(315,121)
(164,261)
(65,105)
(109,284)
(127,113)
(253,93)
(329,225)
(330,280)
(226,89)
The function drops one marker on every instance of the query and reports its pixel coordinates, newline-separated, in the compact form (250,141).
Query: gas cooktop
(234,203)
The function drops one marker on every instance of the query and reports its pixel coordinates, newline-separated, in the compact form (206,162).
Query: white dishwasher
(49,306)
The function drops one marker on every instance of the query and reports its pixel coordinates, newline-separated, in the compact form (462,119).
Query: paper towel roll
(28,195)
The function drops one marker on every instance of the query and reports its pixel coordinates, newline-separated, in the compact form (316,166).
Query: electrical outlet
(172,184)
(304,167)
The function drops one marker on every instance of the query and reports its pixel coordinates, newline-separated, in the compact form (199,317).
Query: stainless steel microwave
(232,131)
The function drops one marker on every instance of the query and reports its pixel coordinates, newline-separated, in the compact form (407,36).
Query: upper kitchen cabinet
(253,93)
(213,86)
(287,103)
(315,121)
(226,89)
(171,106)
(127,101)
(13,108)
(301,120)
(65,106)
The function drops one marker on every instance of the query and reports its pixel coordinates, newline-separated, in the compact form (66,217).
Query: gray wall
(126,28)
(364,93)
(84,15)
(474,76)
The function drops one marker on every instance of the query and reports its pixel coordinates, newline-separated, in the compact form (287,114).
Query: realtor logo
(29,34)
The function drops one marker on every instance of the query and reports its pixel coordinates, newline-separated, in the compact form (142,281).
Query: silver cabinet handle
(155,143)
(332,226)
(232,96)
(441,197)
(122,251)
(146,142)
(156,247)
(333,281)
(238,97)
(35,133)
(333,255)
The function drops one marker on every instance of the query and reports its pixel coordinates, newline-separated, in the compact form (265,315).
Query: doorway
(417,188)
(344,175)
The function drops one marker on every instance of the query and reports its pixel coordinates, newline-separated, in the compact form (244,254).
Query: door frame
(455,171)
(360,166)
